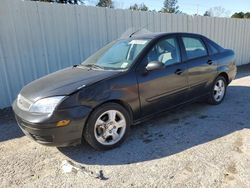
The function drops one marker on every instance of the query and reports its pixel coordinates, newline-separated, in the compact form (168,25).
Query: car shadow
(243,71)
(174,131)
(8,126)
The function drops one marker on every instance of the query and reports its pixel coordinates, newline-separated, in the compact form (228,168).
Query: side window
(194,47)
(165,51)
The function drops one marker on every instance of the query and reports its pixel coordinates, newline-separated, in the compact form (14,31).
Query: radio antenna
(137,31)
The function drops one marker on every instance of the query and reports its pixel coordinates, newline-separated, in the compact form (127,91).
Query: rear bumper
(232,74)
(44,130)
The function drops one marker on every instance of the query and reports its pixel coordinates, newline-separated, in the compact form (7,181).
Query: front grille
(23,103)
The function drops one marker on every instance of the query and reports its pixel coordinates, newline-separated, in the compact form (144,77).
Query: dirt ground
(195,146)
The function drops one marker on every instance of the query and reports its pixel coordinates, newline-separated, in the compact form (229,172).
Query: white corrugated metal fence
(38,38)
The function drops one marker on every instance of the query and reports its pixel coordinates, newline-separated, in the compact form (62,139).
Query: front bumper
(45,131)
(57,136)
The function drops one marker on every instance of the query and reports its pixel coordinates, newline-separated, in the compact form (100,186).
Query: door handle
(210,62)
(178,71)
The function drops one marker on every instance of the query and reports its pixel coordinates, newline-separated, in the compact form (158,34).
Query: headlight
(46,105)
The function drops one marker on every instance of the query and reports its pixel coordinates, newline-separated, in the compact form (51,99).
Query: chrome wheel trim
(219,90)
(110,127)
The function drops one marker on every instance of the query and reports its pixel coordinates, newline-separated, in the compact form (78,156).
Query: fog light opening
(63,123)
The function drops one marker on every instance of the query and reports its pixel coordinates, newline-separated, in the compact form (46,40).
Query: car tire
(217,91)
(107,127)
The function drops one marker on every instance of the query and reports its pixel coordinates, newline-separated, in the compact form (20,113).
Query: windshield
(117,55)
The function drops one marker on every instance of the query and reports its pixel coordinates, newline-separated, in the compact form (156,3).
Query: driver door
(166,87)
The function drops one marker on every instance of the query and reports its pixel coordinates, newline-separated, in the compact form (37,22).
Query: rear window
(194,47)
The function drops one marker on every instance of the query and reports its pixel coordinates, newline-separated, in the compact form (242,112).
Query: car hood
(63,82)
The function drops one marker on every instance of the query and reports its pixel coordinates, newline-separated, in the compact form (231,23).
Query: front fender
(123,88)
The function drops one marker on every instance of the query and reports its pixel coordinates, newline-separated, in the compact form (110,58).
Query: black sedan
(124,83)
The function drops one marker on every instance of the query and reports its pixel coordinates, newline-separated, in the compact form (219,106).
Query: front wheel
(218,91)
(107,126)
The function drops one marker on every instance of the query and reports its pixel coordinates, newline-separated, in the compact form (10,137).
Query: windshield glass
(117,55)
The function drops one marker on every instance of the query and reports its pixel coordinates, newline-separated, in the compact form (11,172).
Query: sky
(190,6)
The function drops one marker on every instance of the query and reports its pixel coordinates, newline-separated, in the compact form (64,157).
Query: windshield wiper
(93,66)
(115,62)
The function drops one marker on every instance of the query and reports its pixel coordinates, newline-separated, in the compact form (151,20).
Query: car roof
(162,34)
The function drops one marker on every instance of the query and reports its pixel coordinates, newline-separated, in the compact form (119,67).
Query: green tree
(170,6)
(50,1)
(141,7)
(241,15)
(105,3)
(247,15)
(207,13)
(238,15)
(63,1)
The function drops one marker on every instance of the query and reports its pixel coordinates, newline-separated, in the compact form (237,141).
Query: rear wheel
(107,126)
(218,91)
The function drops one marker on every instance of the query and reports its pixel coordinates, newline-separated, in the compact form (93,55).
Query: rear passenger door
(201,69)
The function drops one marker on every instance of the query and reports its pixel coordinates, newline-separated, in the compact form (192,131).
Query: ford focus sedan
(124,83)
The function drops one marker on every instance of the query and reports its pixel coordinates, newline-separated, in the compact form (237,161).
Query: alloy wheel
(110,127)
(219,90)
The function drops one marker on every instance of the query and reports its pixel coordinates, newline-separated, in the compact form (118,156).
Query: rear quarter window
(214,49)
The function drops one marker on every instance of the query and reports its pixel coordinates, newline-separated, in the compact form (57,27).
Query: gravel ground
(195,146)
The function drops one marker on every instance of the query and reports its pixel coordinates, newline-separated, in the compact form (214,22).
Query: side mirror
(154,65)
